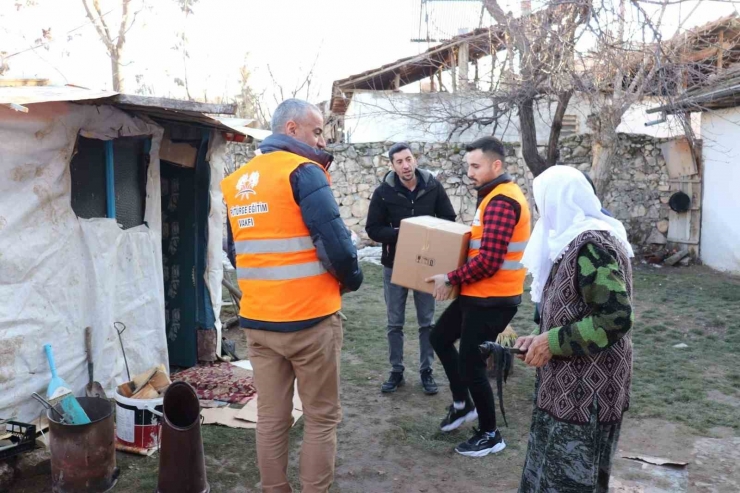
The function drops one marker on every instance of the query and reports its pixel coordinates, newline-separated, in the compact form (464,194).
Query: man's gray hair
(290,109)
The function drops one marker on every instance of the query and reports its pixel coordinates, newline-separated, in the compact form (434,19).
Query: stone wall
(638,196)
(639,191)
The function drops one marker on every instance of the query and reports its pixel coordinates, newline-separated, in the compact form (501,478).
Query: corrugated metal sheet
(245,126)
(44,94)
(164,109)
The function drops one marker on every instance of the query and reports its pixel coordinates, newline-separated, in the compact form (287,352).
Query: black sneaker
(455,418)
(482,444)
(427,381)
(394,381)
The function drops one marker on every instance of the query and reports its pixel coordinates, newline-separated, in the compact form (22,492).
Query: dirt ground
(685,406)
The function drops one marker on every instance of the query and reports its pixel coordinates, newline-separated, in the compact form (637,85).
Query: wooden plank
(684,242)
(23,82)
(684,180)
(720,49)
(679,226)
(700,55)
(679,158)
(175,104)
(685,227)
(397,82)
(695,227)
(463,62)
(181,153)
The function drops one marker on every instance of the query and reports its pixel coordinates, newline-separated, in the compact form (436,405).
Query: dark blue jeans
(395,302)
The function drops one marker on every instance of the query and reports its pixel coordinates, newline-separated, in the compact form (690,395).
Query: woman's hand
(523,343)
(538,352)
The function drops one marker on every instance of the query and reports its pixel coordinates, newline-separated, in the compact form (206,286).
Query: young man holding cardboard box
(491,283)
(405,192)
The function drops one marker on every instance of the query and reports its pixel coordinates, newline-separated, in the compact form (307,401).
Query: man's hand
(523,343)
(538,352)
(442,291)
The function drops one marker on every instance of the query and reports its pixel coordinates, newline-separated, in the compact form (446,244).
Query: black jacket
(391,204)
(320,212)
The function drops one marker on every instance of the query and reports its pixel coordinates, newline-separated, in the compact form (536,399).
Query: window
(109,179)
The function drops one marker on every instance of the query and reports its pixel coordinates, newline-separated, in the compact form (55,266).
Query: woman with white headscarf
(582,278)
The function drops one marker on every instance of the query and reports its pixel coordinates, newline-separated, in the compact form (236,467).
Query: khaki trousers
(312,357)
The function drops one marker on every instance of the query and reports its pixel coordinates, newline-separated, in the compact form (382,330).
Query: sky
(286,37)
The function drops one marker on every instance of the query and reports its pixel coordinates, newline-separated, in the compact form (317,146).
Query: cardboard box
(428,246)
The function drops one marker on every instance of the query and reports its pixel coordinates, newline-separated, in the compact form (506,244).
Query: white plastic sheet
(59,273)
(214,261)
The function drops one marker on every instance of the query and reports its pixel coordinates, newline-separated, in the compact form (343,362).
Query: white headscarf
(568,207)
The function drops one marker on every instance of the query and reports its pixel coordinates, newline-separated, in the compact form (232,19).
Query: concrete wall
(720,227)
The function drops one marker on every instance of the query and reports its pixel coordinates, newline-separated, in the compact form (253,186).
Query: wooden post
(463,59)
(720,51)
(397,82)
(453,68)
(684,70)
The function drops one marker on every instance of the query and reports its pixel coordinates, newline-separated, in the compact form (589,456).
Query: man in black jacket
(405,192)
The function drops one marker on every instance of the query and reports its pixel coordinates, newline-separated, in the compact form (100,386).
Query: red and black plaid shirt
(499,220)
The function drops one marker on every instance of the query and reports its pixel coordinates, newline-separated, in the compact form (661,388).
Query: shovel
(92,389)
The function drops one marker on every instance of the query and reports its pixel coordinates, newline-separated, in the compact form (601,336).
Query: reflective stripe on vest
(508,264)
(514,246)
(282,273)
(287,245)
(511,265)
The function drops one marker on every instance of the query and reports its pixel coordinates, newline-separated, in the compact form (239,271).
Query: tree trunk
(557,127)
(117,77)
(603,156)
(532,158)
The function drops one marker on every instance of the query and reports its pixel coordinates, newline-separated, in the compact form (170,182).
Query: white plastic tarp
(216,157)
(59,273)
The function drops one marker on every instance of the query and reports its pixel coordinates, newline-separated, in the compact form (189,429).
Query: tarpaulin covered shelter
(110,211)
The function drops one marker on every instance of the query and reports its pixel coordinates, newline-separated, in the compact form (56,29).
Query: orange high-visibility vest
(279,272)
(509,279)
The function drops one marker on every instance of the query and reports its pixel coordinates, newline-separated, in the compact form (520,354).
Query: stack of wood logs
(150,384)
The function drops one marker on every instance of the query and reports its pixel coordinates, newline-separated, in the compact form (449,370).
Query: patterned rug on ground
(220,381)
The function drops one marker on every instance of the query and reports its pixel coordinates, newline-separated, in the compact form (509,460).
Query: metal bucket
(83,457)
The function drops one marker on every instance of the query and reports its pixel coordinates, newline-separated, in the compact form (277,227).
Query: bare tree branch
(96,5)
(124,21)
(100,28)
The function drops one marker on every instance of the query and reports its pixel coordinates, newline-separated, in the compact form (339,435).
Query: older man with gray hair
(294,258)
